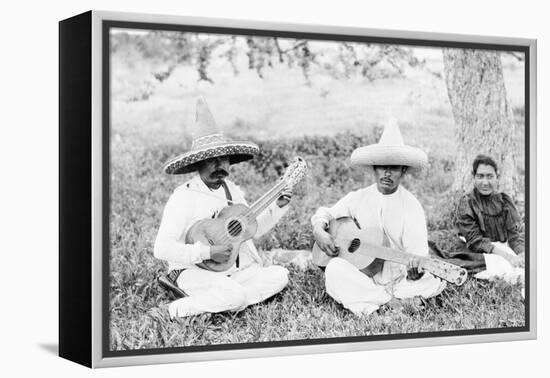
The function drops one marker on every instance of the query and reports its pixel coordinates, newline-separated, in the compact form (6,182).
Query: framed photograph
(232,189)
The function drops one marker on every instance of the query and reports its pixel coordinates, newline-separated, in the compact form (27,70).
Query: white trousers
(215,292)
(498,267)
(361,295)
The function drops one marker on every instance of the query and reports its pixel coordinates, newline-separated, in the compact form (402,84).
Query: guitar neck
(443,269)
(390,254)
(267,199)
(293,174)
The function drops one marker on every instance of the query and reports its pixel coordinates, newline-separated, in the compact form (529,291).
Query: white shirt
(192,202)
(399,215)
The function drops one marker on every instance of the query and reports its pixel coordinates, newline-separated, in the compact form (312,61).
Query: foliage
(166,50)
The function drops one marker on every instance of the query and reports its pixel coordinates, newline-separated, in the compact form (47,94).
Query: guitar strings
(266,199)
(221,234)
(261,204)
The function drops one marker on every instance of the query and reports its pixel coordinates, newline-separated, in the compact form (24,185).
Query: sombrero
(209,142)
(390,150)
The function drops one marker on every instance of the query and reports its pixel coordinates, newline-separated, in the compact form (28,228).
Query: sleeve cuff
(319,222)
(204,250)
(318,219)
(519,249)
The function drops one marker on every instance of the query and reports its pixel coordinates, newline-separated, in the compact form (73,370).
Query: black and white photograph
(282,188)
(275,189)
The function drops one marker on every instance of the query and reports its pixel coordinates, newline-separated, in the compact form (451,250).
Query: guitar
(361,246)
(237,223)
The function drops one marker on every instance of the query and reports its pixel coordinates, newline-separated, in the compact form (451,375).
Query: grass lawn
(304,311)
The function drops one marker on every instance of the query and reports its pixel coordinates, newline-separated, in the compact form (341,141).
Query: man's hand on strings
(221,253)
(285,197)
(325,241)
(414,270)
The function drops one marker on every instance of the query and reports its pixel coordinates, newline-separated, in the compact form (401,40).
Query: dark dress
(482,220)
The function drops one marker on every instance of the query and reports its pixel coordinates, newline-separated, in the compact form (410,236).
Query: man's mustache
(219,172)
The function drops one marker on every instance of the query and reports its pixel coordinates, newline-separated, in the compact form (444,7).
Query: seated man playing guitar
(395,219)
(213,272)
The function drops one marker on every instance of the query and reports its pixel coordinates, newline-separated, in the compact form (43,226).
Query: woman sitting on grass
(490,226)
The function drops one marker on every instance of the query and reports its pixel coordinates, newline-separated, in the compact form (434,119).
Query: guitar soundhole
(234,228)
(354,245)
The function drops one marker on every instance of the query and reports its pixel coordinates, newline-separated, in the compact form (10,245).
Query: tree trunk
(484,122)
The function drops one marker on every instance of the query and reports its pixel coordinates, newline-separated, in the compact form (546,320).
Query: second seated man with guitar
(206,228)
(384,214)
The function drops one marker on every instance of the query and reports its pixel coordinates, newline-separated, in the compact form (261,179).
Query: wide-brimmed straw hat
(390,150)
(209,142)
